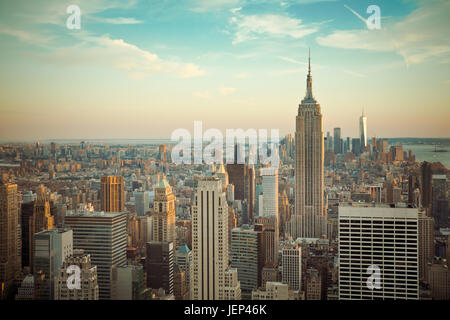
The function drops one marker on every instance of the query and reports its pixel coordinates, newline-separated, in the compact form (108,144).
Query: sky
(142,69)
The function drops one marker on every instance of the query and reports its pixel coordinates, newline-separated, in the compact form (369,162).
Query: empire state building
(309,220)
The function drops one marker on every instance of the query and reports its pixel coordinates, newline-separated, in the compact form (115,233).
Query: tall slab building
(112,194)
(212,277)
(9,219)
(310,217)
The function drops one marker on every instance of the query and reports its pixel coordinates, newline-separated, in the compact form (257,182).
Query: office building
(51,248)
(128,282)
(309,162)
(270,192)
(112,194)
(272,291)
(363,131)
(337,141)
(9,223)
(210,244)
(291,261)
(270,238)
(102,235)
(247,258)
(385,239)
(142,202)
(183,259)
(159,265)
(426,243)
(88,285)
(163,223)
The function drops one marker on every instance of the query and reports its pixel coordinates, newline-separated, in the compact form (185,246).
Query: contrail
(356,14)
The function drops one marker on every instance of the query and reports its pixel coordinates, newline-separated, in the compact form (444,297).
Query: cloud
(54,11)
(120,20)
(226,91)
(26,36)
(314,67)
(116,53)
(249,27)
(418,37)
(291,60)
(202,95)
(213,5)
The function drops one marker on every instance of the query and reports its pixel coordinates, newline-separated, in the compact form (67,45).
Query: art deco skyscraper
(164,214)
(112,194)
(309,160)
(9,218)
(363,131)
(210,244)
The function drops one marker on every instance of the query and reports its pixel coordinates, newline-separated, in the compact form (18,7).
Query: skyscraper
(142,202)
(88,278)
(9,219)
(103,236)
(337,141)
(164,214)
(309,162)
(291,259)
(112,194)
(243,178)
(51,248)
(270,192)
(247,257)
(183,259)
(40,220)
(270,238)
(378,238)
(160,263)
(210,243)
(363,131)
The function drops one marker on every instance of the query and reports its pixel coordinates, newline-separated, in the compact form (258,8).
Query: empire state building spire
(309,95)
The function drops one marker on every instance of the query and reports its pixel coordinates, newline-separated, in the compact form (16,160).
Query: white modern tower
(291,258)
(377,241)
(210,244)
(270,192)
(363,130)
(309,158)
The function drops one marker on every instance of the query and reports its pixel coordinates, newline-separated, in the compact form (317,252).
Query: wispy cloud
(416,38)
(119,54)
(250,27)
(291,60)
(119,20)
(26,36)
(213,5)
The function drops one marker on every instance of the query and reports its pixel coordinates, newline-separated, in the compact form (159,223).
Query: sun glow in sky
(141,69)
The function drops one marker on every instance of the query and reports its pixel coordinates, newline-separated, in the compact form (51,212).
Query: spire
(309,61)
(309,95)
